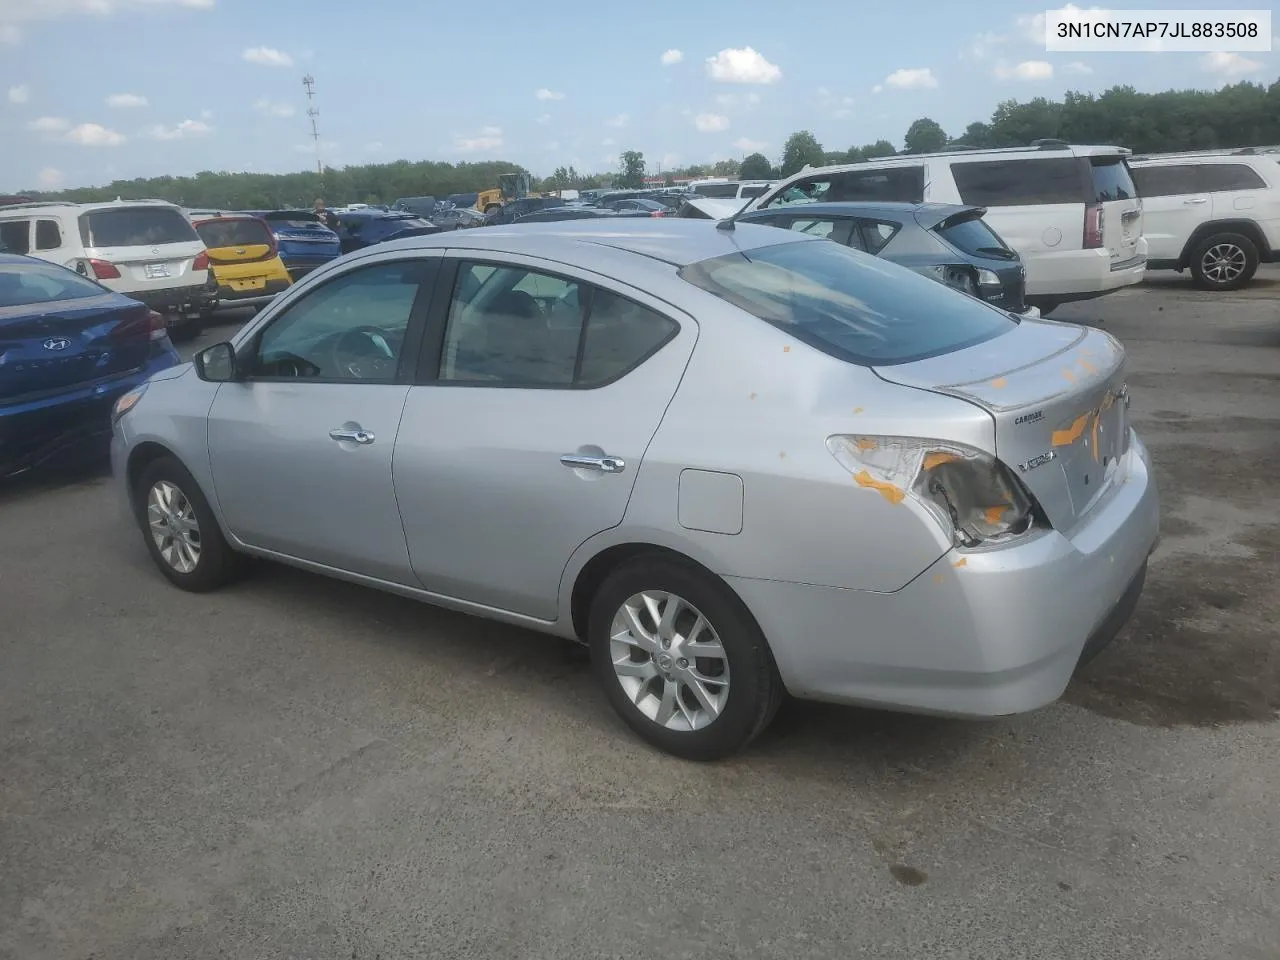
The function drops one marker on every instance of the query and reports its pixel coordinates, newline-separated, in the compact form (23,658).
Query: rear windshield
(135,227)
(29,283)
(1111,180)
(975,238)
(233,233)
(848,304)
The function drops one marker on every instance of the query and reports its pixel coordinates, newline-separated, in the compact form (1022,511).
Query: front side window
(48,235)
(1173,180)
(855,308)
(135,227)
(30,283)
(1222,177)
(15,236)
(1020,183)
(351,329)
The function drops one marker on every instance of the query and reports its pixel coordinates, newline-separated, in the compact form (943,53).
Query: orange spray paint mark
(1064,438)
(1069,376)
(962,562)
(866,443)
(993,514)
(938,459)
(786,349)
(999,383)
(891,492)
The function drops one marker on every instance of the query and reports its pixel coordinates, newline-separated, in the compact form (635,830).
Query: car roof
(73,207)
(667,239)
(891,208)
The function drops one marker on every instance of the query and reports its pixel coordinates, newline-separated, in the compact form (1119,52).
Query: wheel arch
(1244,227)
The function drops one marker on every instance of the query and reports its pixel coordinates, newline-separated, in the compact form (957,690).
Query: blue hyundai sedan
(69,348)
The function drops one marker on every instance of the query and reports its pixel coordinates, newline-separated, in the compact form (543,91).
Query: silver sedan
(733,462)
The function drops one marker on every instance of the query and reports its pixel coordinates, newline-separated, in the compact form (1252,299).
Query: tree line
(1238,115)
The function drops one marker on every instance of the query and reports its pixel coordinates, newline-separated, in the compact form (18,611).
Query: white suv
(1071,212)
(1217,215)
(145,249)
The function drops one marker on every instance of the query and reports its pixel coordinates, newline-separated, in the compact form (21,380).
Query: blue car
(69,347)
(363,228)
(305,243)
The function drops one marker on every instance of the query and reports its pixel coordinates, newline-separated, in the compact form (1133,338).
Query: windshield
(135,227)
(233,233)
(975,238)
(849,304)
(28,283)
(1111,179)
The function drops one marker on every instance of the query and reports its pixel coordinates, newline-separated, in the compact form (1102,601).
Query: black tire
(217,563)
(754,690)
(1235,247)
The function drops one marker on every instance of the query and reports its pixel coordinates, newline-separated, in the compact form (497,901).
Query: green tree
(802,148)
(631,170)
(925,136)
(725,168)
(976,135)
(755,166)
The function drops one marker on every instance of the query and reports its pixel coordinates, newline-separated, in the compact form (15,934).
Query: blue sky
(94,90)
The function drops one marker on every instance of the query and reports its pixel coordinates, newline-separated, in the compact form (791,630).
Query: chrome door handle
(603,464)
(353,436)
(1196,200)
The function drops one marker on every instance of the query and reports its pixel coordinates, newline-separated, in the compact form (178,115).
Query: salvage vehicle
(304,242)
(363,228)
(69,348)
(948,242)
(245,259)
(146,249)
(731,461)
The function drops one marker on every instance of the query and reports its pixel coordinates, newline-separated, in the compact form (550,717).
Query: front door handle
(603,464)
(1195,200)
(352,436)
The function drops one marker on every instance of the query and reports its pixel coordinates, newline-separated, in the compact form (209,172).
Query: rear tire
(1224,261)
(179,528)
(695,679)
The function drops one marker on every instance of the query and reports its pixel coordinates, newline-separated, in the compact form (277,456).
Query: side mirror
(216,364)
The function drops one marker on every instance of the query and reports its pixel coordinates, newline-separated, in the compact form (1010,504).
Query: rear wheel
(179,528)
(1224,261)
(681,660)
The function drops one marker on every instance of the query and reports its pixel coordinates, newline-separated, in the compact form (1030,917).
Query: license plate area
(1091,462)
(155,271)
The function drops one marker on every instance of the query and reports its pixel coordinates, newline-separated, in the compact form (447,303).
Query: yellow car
(244,259)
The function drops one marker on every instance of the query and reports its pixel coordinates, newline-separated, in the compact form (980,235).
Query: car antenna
(727,224)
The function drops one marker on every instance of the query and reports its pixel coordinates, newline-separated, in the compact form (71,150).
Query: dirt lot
(297,768)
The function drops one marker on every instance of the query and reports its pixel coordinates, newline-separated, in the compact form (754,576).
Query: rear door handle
(603,464)
(1195,200)
(351,436)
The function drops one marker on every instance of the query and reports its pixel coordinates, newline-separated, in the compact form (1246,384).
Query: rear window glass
(233,233)
(1111,180)
(890,185)
(135,227)
(849,305)
(30,283)
(1020,183)
(975,238)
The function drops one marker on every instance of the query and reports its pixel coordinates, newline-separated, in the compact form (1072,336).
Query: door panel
(492,512)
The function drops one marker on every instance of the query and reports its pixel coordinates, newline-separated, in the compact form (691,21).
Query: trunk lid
(47,348)
(154,247)
(237,239)
(1056,393)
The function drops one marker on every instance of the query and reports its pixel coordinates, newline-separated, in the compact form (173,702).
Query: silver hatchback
(733,462)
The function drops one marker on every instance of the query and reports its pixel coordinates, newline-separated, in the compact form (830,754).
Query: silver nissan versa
(733,461)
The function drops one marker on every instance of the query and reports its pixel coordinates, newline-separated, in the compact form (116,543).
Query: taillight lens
(657,213)
(972,495)
(201,261)
(102,270)
(159,326)
(1094,219)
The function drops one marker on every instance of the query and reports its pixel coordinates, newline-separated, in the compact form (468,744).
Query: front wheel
(180,530)
(681,660)
(1226,261)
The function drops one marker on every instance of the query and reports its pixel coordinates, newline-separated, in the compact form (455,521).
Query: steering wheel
(364,353)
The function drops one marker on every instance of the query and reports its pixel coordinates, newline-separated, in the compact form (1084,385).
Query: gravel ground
(298,768)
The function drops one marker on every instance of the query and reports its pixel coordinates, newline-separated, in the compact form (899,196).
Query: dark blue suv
(305,243)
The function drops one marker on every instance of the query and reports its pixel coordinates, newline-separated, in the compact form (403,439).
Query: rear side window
(48,235)
(15,236)
(1111,179)
(1231,176)
(233,233)
(1174,180)
(895,184)
(876,234)
(857,309)
(975,238)
(135,227)
(29,283)
(1021,183)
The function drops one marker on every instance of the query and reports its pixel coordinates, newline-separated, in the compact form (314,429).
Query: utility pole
(310,83)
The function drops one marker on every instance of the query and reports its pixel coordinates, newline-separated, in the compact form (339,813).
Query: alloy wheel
(1223,263)
(174,528)
(669,660)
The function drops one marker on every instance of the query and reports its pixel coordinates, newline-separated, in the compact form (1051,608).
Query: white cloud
(672,57)
(48,125)
(15,13)
(545,94)
(272,108)
(543,118)
(608,142)
(19,94)
(489,138)
(1229,64)
(126,101)
(1027,70)
(914,78)
(267,57)
(620,121)
(824,92)
(742,65)
(49,177)
(180,131)
(95,135)
(980,47)
(711,122)
(877,88)
(747,145)
(1032,26)
(1078,67)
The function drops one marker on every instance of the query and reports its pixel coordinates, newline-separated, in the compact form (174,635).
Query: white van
(1071,212)
(145,249)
